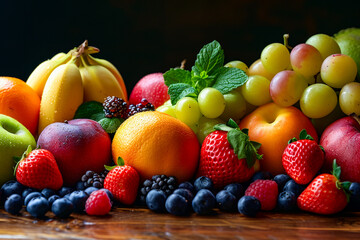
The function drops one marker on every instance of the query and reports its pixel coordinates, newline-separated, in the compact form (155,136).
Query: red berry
(123,183)
(98,203)
(302,160)
(266,191)
(38,169)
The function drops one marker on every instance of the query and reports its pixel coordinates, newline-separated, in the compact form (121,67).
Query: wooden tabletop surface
(140,223)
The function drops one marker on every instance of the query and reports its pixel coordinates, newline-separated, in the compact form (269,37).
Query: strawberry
(266,191)
(325,194)
(123,182)
(227,155)
(38,169)
(303,158)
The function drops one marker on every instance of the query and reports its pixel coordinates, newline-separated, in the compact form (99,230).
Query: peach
(273,126)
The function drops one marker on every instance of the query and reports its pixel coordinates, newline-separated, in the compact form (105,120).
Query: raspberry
(266,191)
(98,203)
(142,106)
(115,107)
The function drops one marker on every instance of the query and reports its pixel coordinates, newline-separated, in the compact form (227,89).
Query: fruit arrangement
(280,135)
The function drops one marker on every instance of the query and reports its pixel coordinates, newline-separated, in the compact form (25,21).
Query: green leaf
(232,123)
(223,127)
(110,125)
(305,135)
(177,75)
(228,79)
(23,156)
(209,59)
(87,109)
(120,161)
(98,116)
(336,171)
(180,90)
(109,168)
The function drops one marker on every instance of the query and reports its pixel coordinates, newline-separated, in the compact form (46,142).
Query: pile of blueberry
(38,203)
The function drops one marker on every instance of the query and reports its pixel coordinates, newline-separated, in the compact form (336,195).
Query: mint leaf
(87,109)
(110,125)
(228,79)
(180,90)
(209,59)
(177,75)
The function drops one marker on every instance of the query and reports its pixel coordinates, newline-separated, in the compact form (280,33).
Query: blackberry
(161,182)
(115,107)
(93,179)
(142,106)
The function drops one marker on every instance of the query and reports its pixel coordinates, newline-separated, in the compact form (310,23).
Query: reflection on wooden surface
(138,223)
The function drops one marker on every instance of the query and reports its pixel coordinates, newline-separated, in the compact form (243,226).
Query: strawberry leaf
(303,135)
(120,161)
(336,170)
(223,127)
(232,123)
(19,159)
(109,168)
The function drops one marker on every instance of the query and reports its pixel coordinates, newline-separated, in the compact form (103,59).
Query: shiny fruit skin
(275,57)
(257,68)
(349,98)
(305,59)
(256,90)
(273,126)
(187,110)
(211,102)
(235,106)
(238,64)
(325,44)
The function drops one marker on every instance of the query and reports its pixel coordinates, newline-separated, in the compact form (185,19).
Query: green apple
(14,140)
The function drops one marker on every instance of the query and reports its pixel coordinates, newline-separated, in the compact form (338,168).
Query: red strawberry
(227,155)
(38,169)
(123,182)
(266,191)
(325,194)
(98,203)
(303,158)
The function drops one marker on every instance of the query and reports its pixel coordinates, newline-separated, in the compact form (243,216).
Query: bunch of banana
(65,81)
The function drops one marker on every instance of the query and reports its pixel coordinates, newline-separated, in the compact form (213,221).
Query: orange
(19,101)
(156,143)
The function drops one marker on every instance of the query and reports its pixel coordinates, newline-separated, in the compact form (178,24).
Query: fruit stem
(182,66)
(286,41)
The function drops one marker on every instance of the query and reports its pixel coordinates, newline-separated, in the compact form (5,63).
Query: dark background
(141,37)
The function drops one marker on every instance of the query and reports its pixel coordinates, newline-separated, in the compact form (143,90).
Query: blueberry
(27,191)
(38,207)
(177,205)
(64,190)
(47,192)
(281,180)
(31,196)
(235,189)
(186,193)
(249,206)
(354,203)
(155,200)
(226,201)
(78,199)
(89,190)
(286,201)
(9,188)
(261,175)
(62,207)
(204,202)
(52,199)
(80,186)
(13,204)
(292,186)
(187,185)
(203,183)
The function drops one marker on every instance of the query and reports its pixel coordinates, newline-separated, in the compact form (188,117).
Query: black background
(141,37)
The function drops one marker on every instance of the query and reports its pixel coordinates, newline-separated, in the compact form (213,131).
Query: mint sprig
(240,142)
(208,71)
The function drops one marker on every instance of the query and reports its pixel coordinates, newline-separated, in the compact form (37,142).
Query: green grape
(187,110)
(338,70)
(349,98)
(238,64)
(325,44)
(168,109)
(167,103)
(318,100)
(206,126)
(275,57)
(211,102)
(256,90)
(286,88)
(235,106)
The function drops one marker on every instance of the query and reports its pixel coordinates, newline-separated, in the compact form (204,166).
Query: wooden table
(140,223)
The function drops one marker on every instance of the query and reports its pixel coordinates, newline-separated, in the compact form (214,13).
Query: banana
(40,75)
(109,66)
(99,82)
(62,95)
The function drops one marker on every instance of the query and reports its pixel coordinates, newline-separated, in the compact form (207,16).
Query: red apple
(341,141)
(153,88)
(77,145)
